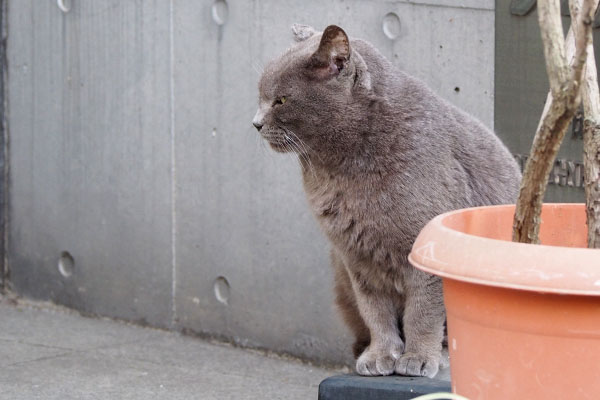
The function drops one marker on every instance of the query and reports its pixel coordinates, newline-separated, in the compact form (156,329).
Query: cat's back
(446,147)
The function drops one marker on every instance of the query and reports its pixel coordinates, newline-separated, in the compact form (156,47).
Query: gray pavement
(47,352)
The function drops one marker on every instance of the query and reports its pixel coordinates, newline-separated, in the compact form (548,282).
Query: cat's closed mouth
(279,147)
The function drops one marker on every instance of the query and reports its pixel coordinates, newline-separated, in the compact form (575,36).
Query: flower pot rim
(440,250)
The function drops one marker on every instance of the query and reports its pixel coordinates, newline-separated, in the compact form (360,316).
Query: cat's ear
(333,52)
(302,32)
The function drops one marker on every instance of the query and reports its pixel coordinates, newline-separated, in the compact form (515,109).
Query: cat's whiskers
(306,150)
(258,68)
(261,144)
(300,146)
(288,146)
(305,146)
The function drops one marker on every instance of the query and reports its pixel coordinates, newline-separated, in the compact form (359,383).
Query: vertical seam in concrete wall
(173,169)
(4,270)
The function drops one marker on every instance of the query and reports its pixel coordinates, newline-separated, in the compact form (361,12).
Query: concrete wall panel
(89,124)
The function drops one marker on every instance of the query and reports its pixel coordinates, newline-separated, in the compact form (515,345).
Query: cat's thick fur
(381,155)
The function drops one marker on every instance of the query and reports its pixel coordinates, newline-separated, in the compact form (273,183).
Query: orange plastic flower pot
(523,320)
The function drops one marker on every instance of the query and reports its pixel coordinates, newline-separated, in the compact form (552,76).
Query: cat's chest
(365,218)
(331,197)
(346,209)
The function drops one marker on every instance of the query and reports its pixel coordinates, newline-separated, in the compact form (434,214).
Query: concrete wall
(139,188)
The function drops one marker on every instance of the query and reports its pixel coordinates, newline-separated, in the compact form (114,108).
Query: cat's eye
(280,100)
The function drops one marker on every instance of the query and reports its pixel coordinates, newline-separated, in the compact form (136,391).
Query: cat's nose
(257,121)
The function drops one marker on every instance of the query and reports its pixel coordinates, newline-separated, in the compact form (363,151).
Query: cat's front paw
(414,364)
(375,361)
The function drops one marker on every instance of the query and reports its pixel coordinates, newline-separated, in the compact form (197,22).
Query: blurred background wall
(138,188)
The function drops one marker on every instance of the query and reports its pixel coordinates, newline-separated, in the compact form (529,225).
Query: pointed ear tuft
(302,32)
(333,52)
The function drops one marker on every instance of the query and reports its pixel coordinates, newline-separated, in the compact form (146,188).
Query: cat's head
(307,94)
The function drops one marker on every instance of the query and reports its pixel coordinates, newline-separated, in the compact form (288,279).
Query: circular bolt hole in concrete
(221,287)
(391,25)
(66,264)
(64,5)
(220,12)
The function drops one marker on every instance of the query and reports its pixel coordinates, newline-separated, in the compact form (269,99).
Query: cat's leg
(424,317)
(378,309)
(346,302)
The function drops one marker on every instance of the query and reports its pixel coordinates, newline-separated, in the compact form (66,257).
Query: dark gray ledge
(354,387)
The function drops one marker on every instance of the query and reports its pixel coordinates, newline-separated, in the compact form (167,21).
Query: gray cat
(381,155)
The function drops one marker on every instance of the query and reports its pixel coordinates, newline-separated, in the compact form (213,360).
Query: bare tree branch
(582,19)
(554,44)
(564,78)
(590,95)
